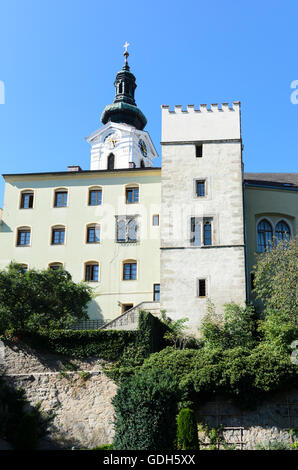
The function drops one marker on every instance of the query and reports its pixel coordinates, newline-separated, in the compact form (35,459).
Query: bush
(237,327)
(145,412)
(107,344)
(187,430)
(34,299)
(27,436)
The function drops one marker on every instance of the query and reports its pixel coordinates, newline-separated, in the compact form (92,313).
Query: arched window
(129,270)
(264,236)
(60,199)
(23,236)
(132,194)
(58,235)
(23,268)
(26,201)
(93,233)
(142,164)
(54,266)
(282,231)
(91,271)
(95,196)
(111,161)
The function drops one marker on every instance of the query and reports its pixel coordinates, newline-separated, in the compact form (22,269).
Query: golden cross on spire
(126,53)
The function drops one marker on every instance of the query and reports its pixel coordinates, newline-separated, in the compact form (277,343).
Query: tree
(145,412)
(187,430)
(276,285)
(35,299)
(176,333)
(236,327)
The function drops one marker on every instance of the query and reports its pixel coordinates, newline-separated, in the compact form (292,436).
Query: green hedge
(107,344)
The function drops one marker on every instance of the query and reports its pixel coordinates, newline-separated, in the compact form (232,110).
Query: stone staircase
(129,319)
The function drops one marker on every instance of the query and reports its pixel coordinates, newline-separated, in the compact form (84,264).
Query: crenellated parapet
(217,121)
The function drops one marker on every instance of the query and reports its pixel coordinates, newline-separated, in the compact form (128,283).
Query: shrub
(187,430)
(107,344)
(27,436)
(34,299)
(145,412)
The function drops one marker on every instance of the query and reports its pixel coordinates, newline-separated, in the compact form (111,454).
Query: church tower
(122,141)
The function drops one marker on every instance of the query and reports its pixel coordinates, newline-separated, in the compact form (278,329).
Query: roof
(86,172)
(272,179)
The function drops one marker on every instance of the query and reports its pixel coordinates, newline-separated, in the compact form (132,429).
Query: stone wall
(270,422)
(83,414)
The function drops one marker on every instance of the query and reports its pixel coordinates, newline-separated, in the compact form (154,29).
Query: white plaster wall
(111,290)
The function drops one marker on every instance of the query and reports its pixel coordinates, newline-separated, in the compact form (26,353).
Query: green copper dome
(124,108)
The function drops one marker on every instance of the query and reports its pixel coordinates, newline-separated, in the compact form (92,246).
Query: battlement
(207,122)
(214,107)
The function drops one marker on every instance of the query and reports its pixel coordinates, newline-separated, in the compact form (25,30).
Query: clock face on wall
(143,147)
(111,139)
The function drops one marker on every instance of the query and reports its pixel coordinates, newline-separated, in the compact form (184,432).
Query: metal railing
(89,324)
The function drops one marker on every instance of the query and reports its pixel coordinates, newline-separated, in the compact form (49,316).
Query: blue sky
(59,58)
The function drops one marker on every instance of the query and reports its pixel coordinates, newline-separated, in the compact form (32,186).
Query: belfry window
(264,232)
(111,161)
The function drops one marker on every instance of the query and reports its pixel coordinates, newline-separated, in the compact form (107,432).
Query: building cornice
(86,173)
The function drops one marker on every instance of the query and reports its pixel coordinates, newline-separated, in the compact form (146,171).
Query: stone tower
(202,228)
(122,142)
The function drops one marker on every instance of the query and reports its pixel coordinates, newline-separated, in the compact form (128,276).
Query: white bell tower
(122,142)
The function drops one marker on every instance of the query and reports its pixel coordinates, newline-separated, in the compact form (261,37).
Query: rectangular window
(201,287)
(27,201)
(58,235)
(129,271)
(23,237)
(207,233)
(195,231)
(91,272)
(200,188)
(132,195)
(126,229)
(60,199)
(93,234)
(155,220)
(156,292)
(199,151)
(95,197)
